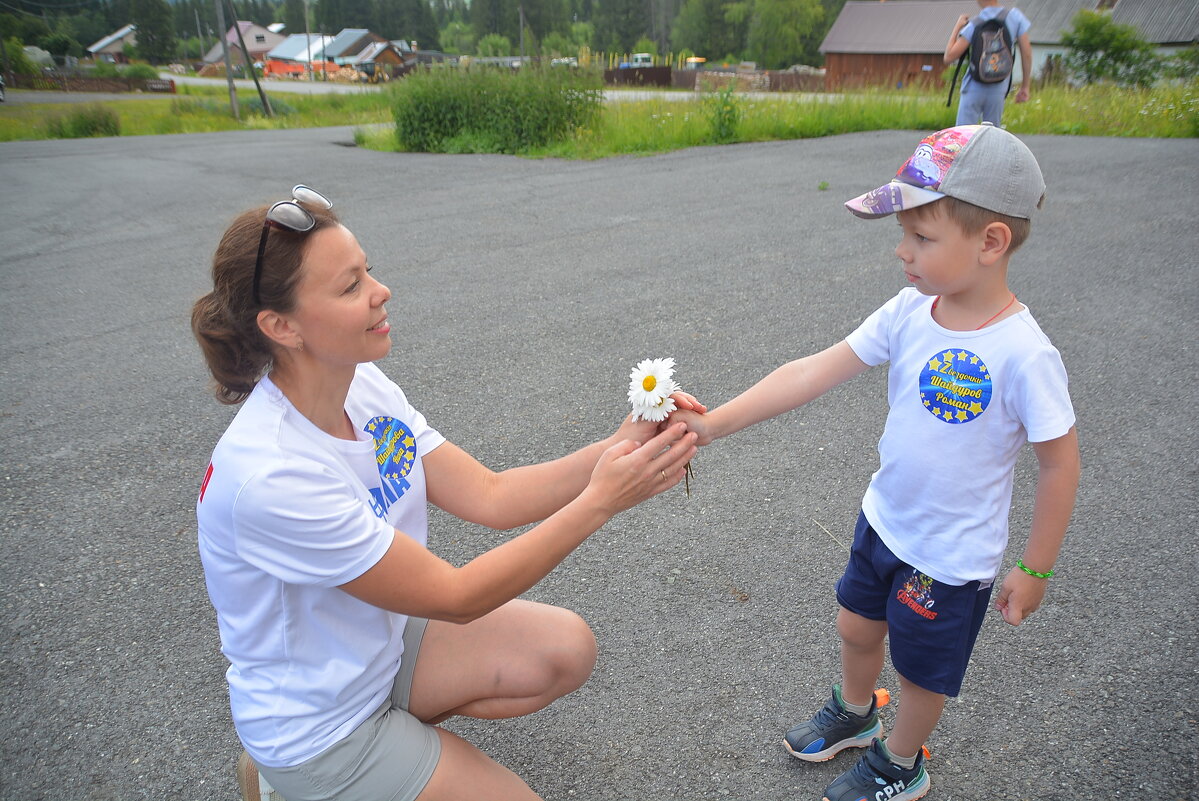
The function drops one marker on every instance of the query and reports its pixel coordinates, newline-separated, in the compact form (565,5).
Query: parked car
(637,61)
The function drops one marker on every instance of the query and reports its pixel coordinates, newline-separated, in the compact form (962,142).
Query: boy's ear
(278,329)
(997,238)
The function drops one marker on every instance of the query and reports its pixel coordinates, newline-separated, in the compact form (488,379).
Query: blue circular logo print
(395,447)
(955,386)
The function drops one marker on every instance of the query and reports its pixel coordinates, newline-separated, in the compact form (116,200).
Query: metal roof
(346,39)
(923,26)
(905,26)
(111,38)
(298,47)
(1050,17)
(1160,21)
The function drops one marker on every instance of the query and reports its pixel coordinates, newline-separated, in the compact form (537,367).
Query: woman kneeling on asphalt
(348,640)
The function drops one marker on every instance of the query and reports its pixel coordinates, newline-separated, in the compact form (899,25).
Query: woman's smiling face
(339,307)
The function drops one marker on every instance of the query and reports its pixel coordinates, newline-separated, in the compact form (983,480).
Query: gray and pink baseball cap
(980,164)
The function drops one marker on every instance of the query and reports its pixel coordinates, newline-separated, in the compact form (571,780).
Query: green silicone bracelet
(1020,564)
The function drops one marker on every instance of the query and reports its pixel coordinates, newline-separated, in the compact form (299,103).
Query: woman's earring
(300,346)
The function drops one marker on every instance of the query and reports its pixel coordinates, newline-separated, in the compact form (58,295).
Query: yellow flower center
(648,383)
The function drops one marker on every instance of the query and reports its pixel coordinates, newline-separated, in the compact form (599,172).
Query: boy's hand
(696,421)
(644,430)
(1020,596)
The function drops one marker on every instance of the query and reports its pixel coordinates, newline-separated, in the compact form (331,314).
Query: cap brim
(890,198)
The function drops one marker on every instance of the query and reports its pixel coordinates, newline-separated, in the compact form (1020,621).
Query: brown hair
(973,219)
(225,321)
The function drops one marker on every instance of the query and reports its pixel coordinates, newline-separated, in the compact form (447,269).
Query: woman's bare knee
(575,653)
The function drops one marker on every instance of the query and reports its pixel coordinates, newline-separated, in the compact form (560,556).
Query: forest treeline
(773,33)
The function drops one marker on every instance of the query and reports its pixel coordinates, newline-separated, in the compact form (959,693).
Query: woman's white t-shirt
(286,514)
(962,403)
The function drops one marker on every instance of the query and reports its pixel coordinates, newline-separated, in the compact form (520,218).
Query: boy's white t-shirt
(962,403)
(286,514)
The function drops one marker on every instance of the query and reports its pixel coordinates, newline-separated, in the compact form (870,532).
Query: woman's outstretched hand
(629,473)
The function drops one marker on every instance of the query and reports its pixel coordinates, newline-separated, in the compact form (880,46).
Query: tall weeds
(493,111)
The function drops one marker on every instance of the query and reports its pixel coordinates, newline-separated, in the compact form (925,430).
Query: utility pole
(245,52)
(199,33)
(308,35)
(521,9)
(220,21)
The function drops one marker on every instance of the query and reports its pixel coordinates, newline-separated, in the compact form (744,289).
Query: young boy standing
(972,377)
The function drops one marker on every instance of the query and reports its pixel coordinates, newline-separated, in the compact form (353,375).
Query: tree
(558,44)
(619,23)
(1101,49)
(494,45)
(60,44)
(417,24)
(293,16)
(457,38)
(155,30)
(777,30)
(487,16)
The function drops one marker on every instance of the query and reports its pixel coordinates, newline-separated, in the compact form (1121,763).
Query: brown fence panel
(638,76)
(75,83)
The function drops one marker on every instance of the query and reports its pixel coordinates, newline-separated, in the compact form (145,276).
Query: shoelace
(832,713)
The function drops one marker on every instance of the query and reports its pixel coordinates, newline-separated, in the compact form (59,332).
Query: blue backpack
(991,55)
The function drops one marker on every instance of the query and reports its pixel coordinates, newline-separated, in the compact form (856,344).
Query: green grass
(657,126)
(660,125)
(201,110)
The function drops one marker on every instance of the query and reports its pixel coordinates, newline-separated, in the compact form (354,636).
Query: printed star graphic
(963,355)
(947,356)
(961,415)
(976,408)
(934,365)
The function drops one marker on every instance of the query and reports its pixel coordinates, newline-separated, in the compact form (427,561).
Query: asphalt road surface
(524,291)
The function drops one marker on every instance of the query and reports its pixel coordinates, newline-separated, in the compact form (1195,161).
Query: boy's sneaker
(253,785)
(876,776)
(833,729)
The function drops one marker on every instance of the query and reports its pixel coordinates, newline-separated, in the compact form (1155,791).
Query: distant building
(259,41)
(903,41)
(112,47)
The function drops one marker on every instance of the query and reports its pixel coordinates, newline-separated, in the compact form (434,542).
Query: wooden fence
(74,83)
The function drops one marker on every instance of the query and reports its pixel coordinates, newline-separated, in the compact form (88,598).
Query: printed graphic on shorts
(395,452)
(934,154)
(955,386)
(917,595)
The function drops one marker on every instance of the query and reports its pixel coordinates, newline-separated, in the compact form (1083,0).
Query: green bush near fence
(491,110)
(90,120)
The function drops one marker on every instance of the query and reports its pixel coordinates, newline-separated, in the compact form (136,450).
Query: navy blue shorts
(932,626)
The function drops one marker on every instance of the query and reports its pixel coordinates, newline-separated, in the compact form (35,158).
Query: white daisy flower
(658,412)
(651,381)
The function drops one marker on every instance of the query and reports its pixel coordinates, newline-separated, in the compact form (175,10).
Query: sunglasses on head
(291,215)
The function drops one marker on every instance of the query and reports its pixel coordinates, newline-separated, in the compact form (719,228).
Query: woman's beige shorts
(390,757)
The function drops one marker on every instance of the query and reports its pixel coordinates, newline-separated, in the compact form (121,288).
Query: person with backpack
(989,41)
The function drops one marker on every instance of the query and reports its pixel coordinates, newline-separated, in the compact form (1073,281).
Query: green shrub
(493,110)
(724,114)
(90,120)
(140,72)
(18,62)
(105,69)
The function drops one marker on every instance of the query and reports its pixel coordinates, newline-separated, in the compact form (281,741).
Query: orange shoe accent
(882,696)
(927,754)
